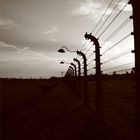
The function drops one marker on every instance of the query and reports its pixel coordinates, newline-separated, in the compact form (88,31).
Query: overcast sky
(31,32)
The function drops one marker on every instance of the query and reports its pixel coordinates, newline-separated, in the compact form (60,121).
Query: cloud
(86,8)
(106,44)
(52,39)
(4,45)
(128,8)
(26,51)
(26,48)
(7,23)
(51,30)
(90,9)
(50,33)
(84,41)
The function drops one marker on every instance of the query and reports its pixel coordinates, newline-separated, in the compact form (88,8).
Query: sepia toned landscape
(69,70)
(49,109)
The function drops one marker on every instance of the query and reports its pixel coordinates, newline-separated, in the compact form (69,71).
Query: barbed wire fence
(115,34)
(101,28)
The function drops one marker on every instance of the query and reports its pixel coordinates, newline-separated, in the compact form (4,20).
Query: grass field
(47,110)
(119,100)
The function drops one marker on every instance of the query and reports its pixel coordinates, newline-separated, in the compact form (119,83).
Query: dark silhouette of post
(73,83)
(72,69)
(75,69)
(136,15)
(85,77)
(67,73)
(99,111)
(85,62)
(63,51)
(70,72)
(79,79)
(79,66)
(85,70)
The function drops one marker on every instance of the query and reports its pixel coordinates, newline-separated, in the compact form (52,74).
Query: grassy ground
(119,99)
(34,111)
(44,110)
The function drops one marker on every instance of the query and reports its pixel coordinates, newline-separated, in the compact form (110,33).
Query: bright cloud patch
(7,23)
(87,8)
(26,51)
(51,30)
(50,33)
(128,8)
(4,45)
(91,9)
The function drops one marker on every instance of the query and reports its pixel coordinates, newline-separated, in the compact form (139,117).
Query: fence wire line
(102,16)
(118,56)
(85,45)
(92,68)
(89,49)
(113,20)
(116,43)
(90,54)
(119,66)
(91,61)
(107,17)
(119,71)
(116,31)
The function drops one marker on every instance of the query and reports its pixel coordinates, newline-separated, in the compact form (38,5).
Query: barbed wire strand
(99,21)
(118,66)
(84,45)
(91,61)
(89,49)
(112,20)
(92,68)
(117,56)
(116,31)
(116,43)
(107,17)
(120,70)
(102,16)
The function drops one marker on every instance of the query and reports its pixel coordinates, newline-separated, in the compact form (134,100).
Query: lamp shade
(61,51)
(61,62)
